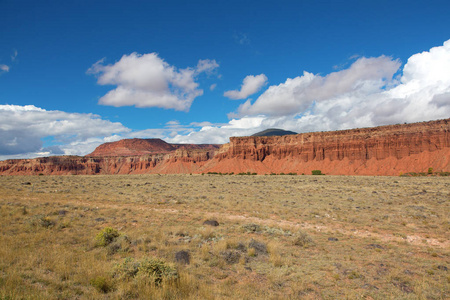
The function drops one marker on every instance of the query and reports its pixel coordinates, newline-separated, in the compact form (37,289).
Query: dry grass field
(278,237)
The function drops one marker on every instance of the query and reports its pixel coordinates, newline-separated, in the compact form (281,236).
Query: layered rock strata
(384,150)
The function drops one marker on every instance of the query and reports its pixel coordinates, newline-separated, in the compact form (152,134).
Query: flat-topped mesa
(381,142)
(140,147)
(384,150)
(132,147)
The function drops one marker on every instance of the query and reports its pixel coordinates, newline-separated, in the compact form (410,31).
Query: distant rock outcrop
(274,132)
(384,150)
(139,147)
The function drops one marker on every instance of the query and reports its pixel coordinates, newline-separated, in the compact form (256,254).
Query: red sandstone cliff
(139,147)
(384,150)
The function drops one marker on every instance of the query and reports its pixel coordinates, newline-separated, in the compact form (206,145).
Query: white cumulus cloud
(23,129)
(148,81)
(250,85)
(207,66)
(365,94)
(368,93)
(365,76)
(219,133)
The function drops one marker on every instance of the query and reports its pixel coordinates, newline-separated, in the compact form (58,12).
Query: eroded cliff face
(385,150)
(178,161)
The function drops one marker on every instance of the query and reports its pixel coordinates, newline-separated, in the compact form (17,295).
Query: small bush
(231,256)
(127,269)
(317,172)
(155,269)
(302,239)
(251,227)
(158,270)
(183,257)
(101,284)
(121,243)
(42,221)
(106,236)
(430,171)
(260,248)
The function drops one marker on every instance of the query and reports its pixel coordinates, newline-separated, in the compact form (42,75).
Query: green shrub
(430,171)
(106,236)
(101,284)
(158,270)
(155,269)
(42,221)
(317,172)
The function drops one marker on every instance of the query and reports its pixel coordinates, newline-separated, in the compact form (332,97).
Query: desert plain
(266,237)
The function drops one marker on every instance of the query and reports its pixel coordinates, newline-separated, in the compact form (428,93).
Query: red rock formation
(385,150)
(139,147)
(132,147)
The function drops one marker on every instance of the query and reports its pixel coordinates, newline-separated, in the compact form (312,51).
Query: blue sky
(75,74)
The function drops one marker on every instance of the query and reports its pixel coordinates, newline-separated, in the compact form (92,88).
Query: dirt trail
(412,239)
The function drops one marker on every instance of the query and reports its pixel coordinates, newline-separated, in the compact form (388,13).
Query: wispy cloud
(241,38)
(4,68)
(14,55)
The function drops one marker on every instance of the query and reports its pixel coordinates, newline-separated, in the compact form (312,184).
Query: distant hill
(274,132)
(137,147)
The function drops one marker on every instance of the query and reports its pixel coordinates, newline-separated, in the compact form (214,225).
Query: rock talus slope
(384,150)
